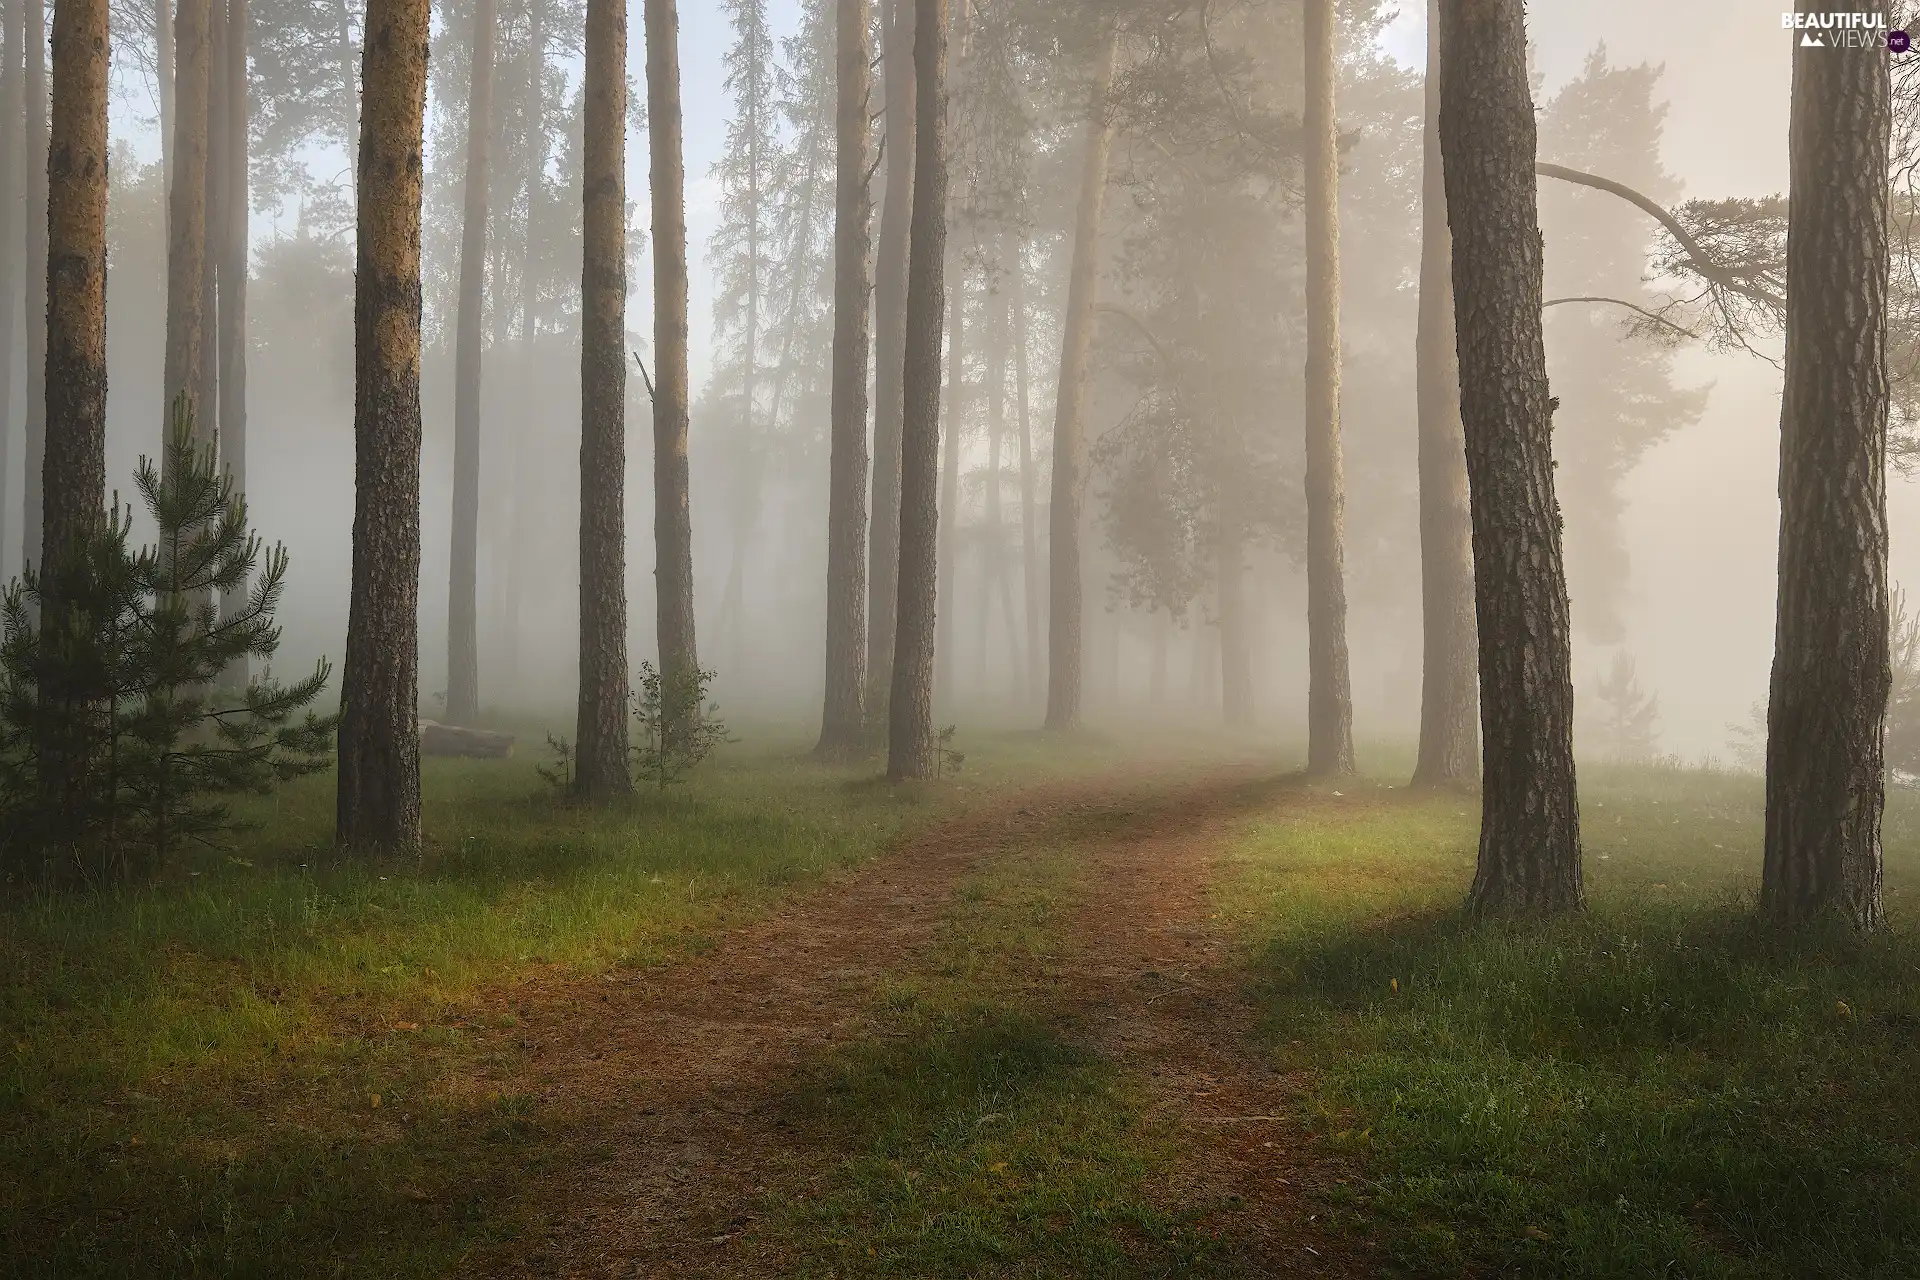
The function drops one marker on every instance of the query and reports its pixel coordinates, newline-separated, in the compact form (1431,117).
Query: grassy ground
(227,1069)
(1663,1087)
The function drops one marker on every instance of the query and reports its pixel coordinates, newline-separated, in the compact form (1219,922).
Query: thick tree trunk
(1236,649)
(463,622)
(379,784)
(37,212)
(890,321)
(74,474)
(1449,735)
(187,221)
(946,660)
(912,751)
(1065,620)
(13,186)
(1826,719)
(235,263)
(672,519)
(1029,507)
(1529,813)
(842,721)
(207,398)
(601,764)
(1329,684)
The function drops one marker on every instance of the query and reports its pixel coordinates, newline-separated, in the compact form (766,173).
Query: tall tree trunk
(463,623)
(601,730)
(1329,683)
(163,77)
(889,351)
(1826,718)
(526,428)
(842,720)
(1157,671)
(1029,507)
(1529,810)
(912,751)
(74,473)
(207,398)
(1449,735)
(946,660)
(37,213)
(672,519)
(379,786)
(350,89)
(235,262)
(13,186)
(994,567)
(1065,620)
(1236,651)
(187,221)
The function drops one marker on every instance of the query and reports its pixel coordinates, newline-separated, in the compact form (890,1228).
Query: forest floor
(1069,1015)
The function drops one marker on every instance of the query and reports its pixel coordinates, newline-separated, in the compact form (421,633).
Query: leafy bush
(678,726)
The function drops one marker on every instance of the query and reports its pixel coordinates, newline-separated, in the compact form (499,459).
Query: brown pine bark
(33,510)
(843,717)
(1529,810)
(1065,620)
(601,728)
(378,804)
(187,220)
(235,263)
(1329,682)
(1449,705)
(945,661)
(463,640)
(672,520)
(912,751)
(889,323)
(12,217)
(74,474)
(1826,718)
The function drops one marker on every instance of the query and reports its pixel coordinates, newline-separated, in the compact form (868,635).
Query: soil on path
(664,1090)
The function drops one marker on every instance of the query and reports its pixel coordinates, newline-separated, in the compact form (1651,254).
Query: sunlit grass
(1662,1087)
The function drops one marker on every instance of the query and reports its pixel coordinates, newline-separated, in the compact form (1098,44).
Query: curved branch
(1140,327)
(1701,260)
(1654,316)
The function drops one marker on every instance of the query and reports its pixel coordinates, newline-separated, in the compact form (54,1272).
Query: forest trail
(668,1091)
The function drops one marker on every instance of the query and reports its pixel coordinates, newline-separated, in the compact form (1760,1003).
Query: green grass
(1662,1087)
(243,1066)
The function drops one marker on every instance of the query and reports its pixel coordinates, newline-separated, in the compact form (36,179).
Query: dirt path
(665,1089)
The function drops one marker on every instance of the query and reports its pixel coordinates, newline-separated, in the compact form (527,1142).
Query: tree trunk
(946,660)
(235,263)
(207,398)
(38,283)
(842,720)
(1236,653)
(163,77)
(74,474)
(463,624)
(1449,736)
(379,786)
(1530,814)
(12,217)
(912,751)
(350,90)
(1329,683)
(601,764)
(1826,719)
(1029,507)
(672,520)
(532,404)
(994,578)
(889,353)
(187,221)
(1065,620)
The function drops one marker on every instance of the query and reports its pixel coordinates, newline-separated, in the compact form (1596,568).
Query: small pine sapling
(679,727)
(946,759)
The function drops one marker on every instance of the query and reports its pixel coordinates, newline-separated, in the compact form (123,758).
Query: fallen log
(438,739)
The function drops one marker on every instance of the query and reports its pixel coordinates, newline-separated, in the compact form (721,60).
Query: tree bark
(235,263)
(74,474)
(672,520)
(1826,718)
(890,316)
(1065,620)
(912,751)
(994,577)
(12,230)
(1029,507)
(207,398)
(187,222)
(1449,735)
(601,763)
(1529,813)
(842,721)
(378,802)
(33,509)
(532,403)
(1236,653)
(1329,682)
(946,660)
(463,623)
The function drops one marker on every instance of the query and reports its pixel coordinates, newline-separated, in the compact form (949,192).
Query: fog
(1680,576)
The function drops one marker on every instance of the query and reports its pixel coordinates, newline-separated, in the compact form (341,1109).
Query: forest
(838,638)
